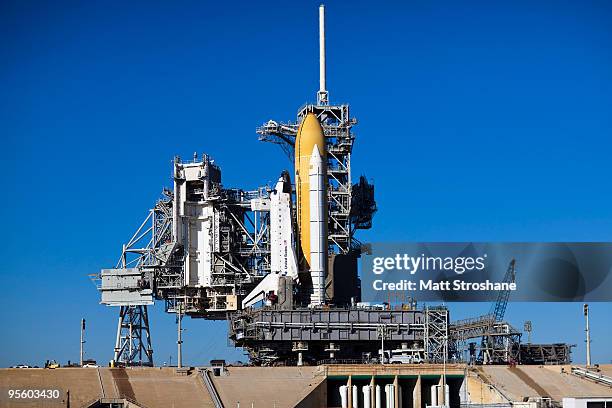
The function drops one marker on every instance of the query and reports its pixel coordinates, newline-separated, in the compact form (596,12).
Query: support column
(442,400)
(416,393)
(373,393)
(349,385)
(396,392)
(133,345)
(179,341)
(82,342)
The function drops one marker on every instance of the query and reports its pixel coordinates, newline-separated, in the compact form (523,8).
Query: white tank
(367,396)
(343,396)
(390,395)
(355,397)
(378,397)
(440,395)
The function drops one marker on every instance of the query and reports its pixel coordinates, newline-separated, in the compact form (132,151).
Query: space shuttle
(311,206)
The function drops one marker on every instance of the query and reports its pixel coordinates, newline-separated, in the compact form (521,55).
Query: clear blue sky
(477,121)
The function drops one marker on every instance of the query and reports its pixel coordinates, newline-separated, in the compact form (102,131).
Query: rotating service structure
(201,245)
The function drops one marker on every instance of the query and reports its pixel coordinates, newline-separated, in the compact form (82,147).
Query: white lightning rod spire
(322,94)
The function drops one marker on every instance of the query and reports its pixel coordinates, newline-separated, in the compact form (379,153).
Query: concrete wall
(152,387)
(290,386)
(317,398)
(480,392)
(274,387)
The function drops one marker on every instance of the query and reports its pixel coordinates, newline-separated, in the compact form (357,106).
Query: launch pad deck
(294,386)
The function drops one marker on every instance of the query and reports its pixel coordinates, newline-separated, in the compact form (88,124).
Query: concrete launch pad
(308,386)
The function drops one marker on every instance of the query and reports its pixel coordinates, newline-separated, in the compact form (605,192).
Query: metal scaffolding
(337,125)
(557,353)
(133,346)
(436,334)
(349,334)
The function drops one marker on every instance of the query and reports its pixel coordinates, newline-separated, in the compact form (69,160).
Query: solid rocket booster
(318,230)
(309,136)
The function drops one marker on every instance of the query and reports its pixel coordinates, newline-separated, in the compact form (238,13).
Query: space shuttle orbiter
(283,259)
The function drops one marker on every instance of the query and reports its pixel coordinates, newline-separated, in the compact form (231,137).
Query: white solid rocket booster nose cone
(318,233)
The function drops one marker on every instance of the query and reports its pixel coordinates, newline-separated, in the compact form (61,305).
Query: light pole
(588,335)
(82,341)
(381,333)
(444,370)
(180,337)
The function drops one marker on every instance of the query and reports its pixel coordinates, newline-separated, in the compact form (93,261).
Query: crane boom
(498,309)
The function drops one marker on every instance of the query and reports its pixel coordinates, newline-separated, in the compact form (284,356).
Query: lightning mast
(322,96)
(351,206)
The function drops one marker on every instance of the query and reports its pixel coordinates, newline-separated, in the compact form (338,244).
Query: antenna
(322,94)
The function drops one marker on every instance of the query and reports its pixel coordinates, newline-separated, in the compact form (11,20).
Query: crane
(498,309)
(498,344)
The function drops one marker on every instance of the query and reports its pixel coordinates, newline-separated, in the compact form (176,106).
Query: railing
(134,402)
(91,403)
(590,375)
(473,321)
(211,388)
(335,361)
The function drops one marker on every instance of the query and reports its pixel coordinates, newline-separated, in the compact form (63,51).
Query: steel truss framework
(272,336)
(501,344)
(558,353)
(241,255)
(436,334)
(499,340)
(337,125)
(239,263)
(133,345)
(242,259)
